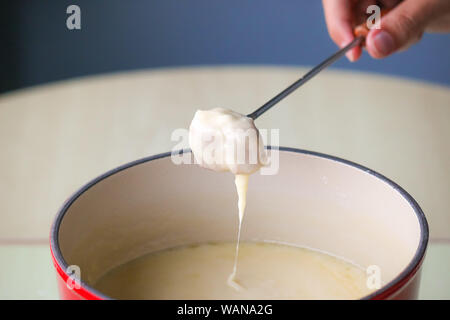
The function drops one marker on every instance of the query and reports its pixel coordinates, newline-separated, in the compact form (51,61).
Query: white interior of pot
(312,201)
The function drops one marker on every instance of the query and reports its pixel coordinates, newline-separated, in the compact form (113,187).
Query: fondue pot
(315,200)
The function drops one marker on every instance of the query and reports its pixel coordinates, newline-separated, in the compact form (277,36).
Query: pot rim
(86,291)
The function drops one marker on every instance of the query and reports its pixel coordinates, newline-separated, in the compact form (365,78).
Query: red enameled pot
(314,200)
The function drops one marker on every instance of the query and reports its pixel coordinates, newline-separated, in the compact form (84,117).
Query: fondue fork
(283,94)
(361,31)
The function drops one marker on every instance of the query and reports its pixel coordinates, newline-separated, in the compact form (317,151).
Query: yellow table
(56,137)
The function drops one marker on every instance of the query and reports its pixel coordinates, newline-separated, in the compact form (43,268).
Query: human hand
(401,27)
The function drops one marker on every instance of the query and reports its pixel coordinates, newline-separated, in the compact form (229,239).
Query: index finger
(339,20)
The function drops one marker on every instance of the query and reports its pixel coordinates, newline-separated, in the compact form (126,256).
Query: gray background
(119,35)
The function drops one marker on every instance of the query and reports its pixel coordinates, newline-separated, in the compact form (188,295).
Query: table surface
(56,137)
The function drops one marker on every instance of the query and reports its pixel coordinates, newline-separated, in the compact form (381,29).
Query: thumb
(400,28)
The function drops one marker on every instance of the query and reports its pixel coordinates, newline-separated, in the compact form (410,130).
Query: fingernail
(350,56)
(384,43)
